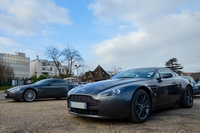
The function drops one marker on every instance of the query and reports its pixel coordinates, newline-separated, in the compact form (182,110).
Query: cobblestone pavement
(51,116)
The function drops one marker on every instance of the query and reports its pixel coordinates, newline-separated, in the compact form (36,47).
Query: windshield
(41,82)
(136,73)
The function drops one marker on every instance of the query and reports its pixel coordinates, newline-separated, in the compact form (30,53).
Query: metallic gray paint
(42,91)
(163,92)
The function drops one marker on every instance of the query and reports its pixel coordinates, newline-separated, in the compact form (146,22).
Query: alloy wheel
(142,106)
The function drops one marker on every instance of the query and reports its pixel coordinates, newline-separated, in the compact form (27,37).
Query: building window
(44,63)
(43,68)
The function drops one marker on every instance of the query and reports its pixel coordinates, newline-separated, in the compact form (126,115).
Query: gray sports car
(47,88)
(131,94)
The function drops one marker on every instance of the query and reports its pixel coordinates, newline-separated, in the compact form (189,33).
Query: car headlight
(14,90)
(196,87)
(111,92)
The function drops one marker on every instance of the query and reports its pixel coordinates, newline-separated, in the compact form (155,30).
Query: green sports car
(47,88)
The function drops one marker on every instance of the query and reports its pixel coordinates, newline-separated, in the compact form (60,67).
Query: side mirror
(167,75)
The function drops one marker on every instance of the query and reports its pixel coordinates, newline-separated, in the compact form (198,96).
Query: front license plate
(78,105)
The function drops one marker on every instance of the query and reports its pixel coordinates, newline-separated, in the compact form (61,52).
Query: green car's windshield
(136,73)
(41,82)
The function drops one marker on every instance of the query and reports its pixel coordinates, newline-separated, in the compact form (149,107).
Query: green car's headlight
(14,90)
(111,92)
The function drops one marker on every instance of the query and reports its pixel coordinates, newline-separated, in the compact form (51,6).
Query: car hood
(20,87)
(100,86)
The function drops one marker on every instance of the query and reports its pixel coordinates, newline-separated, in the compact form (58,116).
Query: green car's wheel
(29,95)
(140,106)
(187,101)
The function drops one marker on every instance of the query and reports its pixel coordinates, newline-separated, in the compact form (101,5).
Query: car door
(168,87)
(54,88)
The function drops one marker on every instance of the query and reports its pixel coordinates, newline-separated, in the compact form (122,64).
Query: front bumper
(109,107)
(7,94)
(16,95)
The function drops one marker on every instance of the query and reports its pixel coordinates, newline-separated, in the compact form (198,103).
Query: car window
(57,82)
(163,71)
(41,82)
(65,82)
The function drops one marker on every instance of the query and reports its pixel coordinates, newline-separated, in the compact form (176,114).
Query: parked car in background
(82,83)
(190,79)
(131,94)
(47,88)
(196,86)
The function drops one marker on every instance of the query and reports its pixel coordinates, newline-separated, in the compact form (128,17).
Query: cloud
(7,42)
(166,30)
(26,17)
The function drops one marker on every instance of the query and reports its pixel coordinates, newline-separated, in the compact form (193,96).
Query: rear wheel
(187,98)
(140,106)
(29,95)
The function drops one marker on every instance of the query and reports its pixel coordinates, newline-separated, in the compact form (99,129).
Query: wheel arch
(184,88)
(133,117)
(146,89)
(190,87)
(182,99)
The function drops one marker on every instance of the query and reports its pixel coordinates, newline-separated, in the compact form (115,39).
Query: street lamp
(77,66)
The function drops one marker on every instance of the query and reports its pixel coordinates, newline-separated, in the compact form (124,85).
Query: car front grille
(85,112)
(82,98)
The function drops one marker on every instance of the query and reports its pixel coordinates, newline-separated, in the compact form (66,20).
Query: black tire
(187,98)
(140,106)
(29,95)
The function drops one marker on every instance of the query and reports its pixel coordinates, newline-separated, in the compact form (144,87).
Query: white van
(71,79)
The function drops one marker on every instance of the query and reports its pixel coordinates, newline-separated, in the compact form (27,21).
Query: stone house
(98,74)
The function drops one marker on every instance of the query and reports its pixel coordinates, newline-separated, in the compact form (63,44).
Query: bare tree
(72,59)
(114,70)
(54,54)
(68,57)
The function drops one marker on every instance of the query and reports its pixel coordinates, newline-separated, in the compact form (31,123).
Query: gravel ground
(51,116)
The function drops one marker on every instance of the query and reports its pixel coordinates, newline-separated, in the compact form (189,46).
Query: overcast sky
(112,33)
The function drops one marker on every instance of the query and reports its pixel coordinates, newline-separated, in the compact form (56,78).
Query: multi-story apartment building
(45,67)
(20,64)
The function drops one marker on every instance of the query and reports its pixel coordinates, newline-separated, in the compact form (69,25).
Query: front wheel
(187,98)
(29,95)
(140,106)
